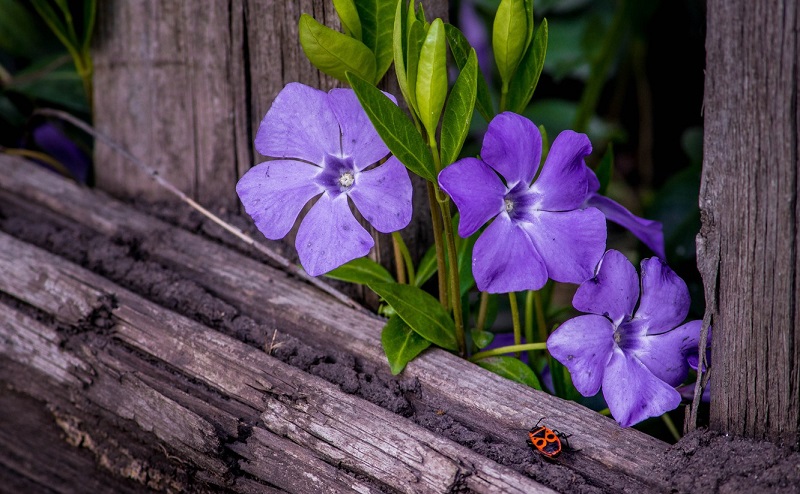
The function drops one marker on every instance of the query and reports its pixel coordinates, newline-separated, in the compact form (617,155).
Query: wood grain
(343,433)
(478,398)
(750,210)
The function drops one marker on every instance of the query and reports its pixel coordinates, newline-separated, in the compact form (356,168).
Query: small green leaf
(399,43)
(333,52)
(458,111)
(524,82)
(89,18)
(348,16)
(431,87)
(511,368)
(377,21)
(509,34)
(460,48)
(420,311)
(61,85)
(19,34)
(416,36)
(395,128)
(401,344)
(362,271)
(426,267)
(605,169)
(482,339)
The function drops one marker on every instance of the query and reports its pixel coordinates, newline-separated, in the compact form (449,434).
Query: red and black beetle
(547,441)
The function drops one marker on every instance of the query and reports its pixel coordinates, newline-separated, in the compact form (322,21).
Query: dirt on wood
(700,461)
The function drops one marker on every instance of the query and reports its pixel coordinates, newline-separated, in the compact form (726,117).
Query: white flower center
(347,179)
(509,205)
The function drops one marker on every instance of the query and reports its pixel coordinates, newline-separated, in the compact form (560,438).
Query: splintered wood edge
(338,428)
(269,293)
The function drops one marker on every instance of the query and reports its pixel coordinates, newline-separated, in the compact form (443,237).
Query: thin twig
(274,256)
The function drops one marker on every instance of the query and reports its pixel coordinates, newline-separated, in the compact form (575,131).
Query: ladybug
(547,441)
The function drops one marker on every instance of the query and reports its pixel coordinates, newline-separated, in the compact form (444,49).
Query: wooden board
(479,399)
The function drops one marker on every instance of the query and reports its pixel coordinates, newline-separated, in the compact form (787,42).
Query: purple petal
(563,183)
(512,145)
(665,354)
(633,393)
(504,259)
(584,345)
(274,192)
(299,124)
(665,299)
(330,236)
(55,143)
(571,243)
(383,196)
(650,232)
(591,180)
(477,191)
(360,140)
(613,292)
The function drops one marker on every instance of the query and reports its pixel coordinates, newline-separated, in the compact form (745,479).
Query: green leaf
(61,85)
(509,34)
(431,87)
(524,82)
(399,44)
(511,368)
(395,128)
(458,111)
(333,52)
(420,311)
(348,16)
(529,20)
(10,113)
(426,267)
(89,18)
(416,36)
(460,48)
(482,339)
(20,35)
(377,22)
(363,271)
(401,344)
(605,169)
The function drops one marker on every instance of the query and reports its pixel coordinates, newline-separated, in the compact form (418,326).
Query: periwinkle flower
(650,232)
(325,147)
(540,230)
(637,354)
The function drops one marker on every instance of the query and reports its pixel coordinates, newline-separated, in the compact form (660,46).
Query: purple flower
(637,356)
(539,229)
(325,146)
(650,232)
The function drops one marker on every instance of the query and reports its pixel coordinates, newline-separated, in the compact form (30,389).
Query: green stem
(436,220)
(529,322)
(399,262)
(508,349)
(398,240)
(671,426)
(503,97)
(540,321)
(455,292)
(512,299)
(482,310)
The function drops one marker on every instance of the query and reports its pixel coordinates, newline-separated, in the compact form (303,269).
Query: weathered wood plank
(481,399)
(338,428)
(749,246)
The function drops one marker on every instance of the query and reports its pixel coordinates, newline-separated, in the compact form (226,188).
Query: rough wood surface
(118,371)
(750,209)
(479,398)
